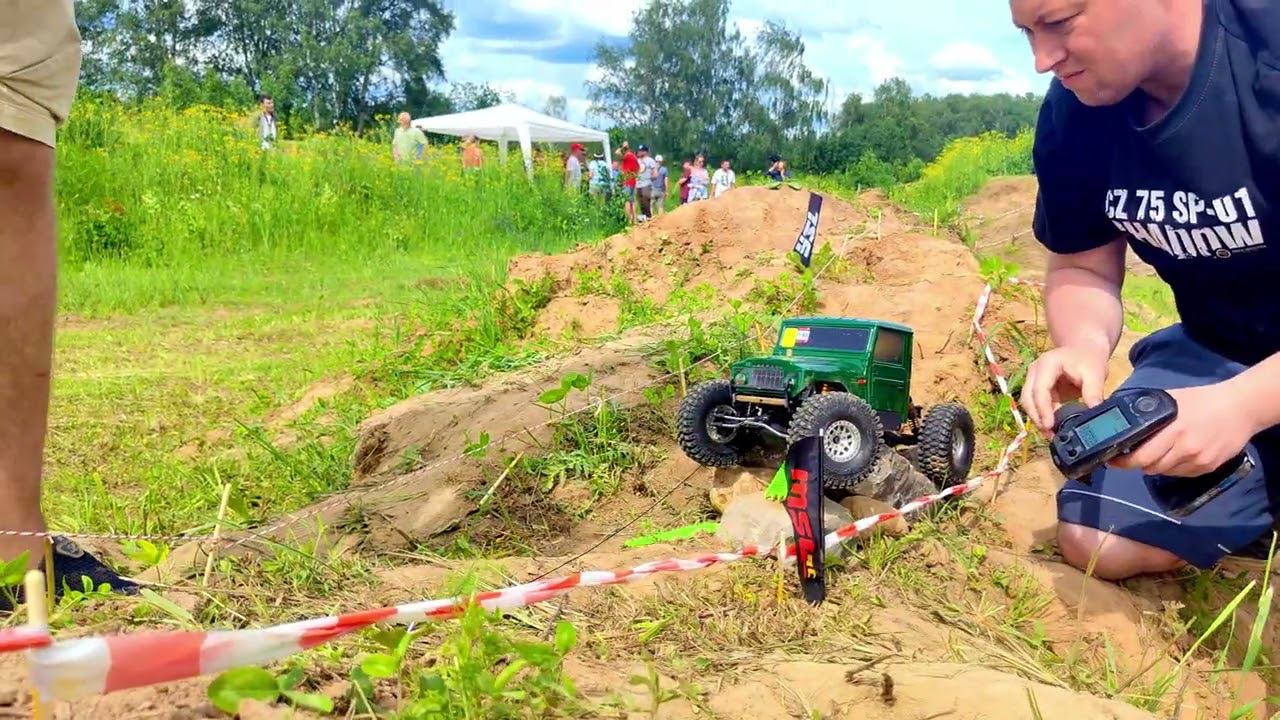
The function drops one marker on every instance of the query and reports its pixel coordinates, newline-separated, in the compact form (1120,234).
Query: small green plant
(145,552)
(996,271)
(479,447)
(478,672)
(12,573)
(560,395)
(232,687)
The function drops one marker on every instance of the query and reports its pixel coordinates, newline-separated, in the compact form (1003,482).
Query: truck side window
(889,346)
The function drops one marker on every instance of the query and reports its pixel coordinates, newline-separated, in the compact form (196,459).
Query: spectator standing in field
(599,178)
(686,172)
(266,122)
(630,169)
(644,182)
(698,179)
(472,158)
(724,179)
(573,167)
(407,143)
(659,187)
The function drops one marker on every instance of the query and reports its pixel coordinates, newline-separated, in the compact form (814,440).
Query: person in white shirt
(723,179)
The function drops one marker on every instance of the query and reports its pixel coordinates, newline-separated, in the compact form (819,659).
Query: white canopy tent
(509,121)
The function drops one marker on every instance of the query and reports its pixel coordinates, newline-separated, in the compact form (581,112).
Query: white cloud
(749,27)
(965,56)
(610,18)
(529,91)
(880,62)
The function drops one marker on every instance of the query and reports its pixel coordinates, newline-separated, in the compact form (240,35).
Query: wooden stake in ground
(217,532)
(37,619)
(485,500)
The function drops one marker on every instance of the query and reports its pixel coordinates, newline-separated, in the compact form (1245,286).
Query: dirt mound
(1000,218)
(880,266)
(729,244)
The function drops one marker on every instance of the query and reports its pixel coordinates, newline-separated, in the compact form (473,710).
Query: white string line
(259,533)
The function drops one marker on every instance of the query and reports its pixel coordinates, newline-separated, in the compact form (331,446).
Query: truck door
(888,379)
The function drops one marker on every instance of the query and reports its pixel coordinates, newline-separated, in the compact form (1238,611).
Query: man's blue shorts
(1119,500)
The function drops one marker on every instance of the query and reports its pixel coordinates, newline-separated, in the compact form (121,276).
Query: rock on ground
(755,520)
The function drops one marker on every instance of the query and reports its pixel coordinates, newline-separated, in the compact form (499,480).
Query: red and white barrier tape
(98,665)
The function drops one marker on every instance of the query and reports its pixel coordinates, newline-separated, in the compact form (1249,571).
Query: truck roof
(842,321)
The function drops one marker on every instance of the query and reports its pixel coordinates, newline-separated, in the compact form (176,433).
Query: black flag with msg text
(804,506)
(808,237)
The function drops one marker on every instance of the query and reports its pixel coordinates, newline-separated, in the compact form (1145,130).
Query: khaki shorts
(39,66)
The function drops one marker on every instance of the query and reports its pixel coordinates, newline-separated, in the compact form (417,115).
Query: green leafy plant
(232,687)
(558,395)
(477,672)
(145,552)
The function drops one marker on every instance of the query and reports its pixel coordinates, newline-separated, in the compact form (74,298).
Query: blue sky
(539,48)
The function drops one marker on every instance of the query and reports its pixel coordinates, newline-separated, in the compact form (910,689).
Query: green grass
(159,208)
(964,165)
(1148,303)
(206,284)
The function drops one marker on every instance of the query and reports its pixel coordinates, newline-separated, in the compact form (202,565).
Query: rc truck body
(849,378)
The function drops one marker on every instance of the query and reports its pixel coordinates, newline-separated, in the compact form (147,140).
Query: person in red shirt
(630,169)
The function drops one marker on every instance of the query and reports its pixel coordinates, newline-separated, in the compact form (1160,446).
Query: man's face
(725,164)
(1101,50)
(268,104)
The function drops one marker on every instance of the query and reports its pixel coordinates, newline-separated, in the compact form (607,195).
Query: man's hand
(1061,375)
(1210,430)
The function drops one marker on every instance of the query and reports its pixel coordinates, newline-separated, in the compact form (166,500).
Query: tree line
(685,80)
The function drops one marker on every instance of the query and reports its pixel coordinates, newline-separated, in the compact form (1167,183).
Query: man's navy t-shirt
(1195,192)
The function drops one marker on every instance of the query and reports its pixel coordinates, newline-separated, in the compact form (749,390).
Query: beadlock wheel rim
(959,447)
(714,432)
(842,441)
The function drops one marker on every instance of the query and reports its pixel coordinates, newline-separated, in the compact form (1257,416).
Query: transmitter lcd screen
(1102,427)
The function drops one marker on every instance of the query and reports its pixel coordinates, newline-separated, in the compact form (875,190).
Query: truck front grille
(767,378)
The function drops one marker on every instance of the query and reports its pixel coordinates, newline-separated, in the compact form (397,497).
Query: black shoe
(71,565)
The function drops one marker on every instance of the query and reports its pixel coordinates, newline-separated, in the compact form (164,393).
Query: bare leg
(27,296)
(1117,557)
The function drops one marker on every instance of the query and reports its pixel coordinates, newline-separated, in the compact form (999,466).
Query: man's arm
(1258,390)
(1082,297)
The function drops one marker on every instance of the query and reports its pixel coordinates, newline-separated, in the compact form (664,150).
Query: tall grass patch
(159,206)
(960,170)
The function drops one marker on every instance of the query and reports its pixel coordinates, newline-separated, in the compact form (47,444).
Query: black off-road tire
(852,413)
(947,444)
(694,435)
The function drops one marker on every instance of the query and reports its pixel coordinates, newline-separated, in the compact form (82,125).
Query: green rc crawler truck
(847,377)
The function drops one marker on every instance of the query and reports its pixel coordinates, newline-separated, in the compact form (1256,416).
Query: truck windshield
(825,338)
